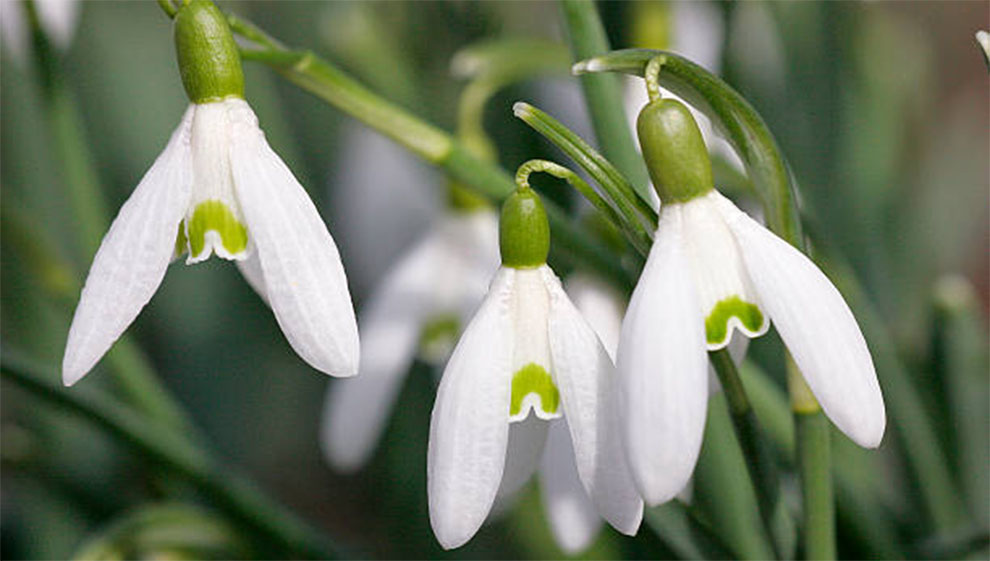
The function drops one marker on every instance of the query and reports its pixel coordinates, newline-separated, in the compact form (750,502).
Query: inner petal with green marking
(728,312)
(214,226)
(533,388)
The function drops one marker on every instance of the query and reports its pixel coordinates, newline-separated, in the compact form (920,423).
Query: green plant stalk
(132,372)
(756,450)
(813,433)
(435,146)
(960,337)
(865,515)
(242,502)
(680,529)
(913,428)
(603,94)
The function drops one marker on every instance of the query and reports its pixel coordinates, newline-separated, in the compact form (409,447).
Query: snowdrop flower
(57,18)
(218,188)
(526,357)
(439,283)
(714,270)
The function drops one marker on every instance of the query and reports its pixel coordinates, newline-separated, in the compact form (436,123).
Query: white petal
(663,366)
(250,269)
(586,378)
(357,409)
(818,328)
(132,258)
(304,276)
(469,428)
(522,456)
(573,518)
(601,305)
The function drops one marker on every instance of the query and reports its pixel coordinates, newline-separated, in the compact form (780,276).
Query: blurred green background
(883,110)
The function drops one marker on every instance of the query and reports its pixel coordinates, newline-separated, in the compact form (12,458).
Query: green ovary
(216,216)
(717,322)
(533,379)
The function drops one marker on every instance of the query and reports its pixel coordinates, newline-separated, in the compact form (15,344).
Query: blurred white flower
(713,270)
(419,304)
(58,19)
(219,188)
(382,197)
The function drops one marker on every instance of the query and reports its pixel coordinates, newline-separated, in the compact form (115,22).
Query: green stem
(814,447)
(756,450)
(323,80)
(681,530)
(604,94)
(242,501)
(909,417)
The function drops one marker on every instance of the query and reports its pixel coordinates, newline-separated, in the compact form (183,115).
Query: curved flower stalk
(714,270)
(694,30)
(435,287)
(527,357)
(57,18)
(218,188)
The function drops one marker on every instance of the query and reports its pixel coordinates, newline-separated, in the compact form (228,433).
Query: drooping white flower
(714,270)
(526,357)
(218,188)
(440,281)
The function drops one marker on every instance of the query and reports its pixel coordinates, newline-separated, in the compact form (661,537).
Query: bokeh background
(882,108)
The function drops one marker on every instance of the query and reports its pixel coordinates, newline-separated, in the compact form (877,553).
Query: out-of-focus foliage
(881,108)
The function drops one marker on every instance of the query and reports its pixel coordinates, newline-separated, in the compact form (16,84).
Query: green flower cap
(208,59)
(523,230)
(674,151)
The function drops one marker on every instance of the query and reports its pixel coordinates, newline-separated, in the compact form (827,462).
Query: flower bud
(208,59)
(674,151)
(523,231)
